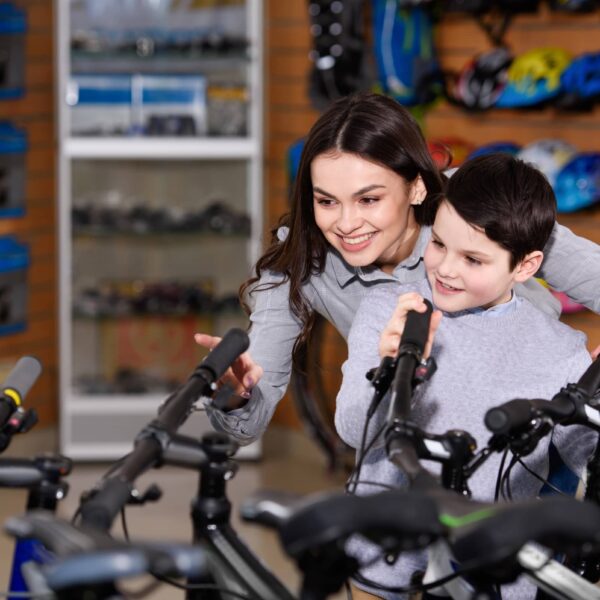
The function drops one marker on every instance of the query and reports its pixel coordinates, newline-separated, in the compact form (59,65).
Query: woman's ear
(418,191)
(529,266)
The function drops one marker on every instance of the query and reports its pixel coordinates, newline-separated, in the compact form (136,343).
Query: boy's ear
(529,266)
(418,191)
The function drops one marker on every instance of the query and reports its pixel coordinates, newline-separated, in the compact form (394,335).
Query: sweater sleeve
(273,333)
(572,265)
(356,392)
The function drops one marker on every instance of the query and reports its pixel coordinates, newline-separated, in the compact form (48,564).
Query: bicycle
(43,476)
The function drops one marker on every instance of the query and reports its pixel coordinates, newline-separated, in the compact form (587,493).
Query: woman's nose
(349,220)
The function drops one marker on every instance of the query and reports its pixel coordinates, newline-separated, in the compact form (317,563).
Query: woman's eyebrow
(367,189)
(364,190)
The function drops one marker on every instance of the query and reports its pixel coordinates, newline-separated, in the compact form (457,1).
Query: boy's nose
(446,267)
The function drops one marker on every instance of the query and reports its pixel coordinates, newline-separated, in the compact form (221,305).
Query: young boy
(490,345)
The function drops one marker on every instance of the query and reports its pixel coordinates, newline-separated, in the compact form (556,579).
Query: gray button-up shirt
(571,264)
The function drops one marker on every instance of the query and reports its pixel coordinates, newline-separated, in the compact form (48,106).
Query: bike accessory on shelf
(578,183)
(581,82)
(452,150)
(482,80)
(494,147)
(548,156)
(534,78)
(336,27)
(573,5)
(407,65)
(469,6)
(518,6)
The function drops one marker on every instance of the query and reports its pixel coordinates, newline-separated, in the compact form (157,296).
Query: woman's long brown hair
(373,127)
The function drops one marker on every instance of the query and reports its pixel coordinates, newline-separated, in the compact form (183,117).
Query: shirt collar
(345,273)
(494,311)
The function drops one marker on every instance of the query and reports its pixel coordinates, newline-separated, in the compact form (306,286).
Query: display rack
(102,426)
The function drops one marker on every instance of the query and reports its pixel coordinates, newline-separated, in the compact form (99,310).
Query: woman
(360,217)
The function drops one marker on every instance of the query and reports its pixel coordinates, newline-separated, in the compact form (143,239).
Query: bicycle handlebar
(101,509)
(90,557)
(565,407)
(17,385)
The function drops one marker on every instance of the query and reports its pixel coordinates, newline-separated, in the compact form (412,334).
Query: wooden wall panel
(459,38)
(35,113)
(289,113)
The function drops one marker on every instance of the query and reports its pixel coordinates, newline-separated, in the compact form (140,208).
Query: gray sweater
(571,264)
(483,360)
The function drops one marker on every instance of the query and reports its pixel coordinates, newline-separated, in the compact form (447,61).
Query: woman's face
(364,210)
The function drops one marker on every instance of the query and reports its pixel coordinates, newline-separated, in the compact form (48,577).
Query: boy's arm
(572,265)
(356,391)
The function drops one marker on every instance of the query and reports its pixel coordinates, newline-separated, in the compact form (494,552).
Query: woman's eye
(369,200)
(437,243)
(325,201)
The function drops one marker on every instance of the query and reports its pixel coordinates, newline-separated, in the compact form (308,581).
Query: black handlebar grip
(22,377)
(221,357)
(100,510)
(590,380)
(509,416)
(416,328)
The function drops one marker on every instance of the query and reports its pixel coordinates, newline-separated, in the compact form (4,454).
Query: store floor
(290,462)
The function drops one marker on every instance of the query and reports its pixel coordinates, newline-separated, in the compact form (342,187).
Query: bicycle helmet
(506,147)
(578,183)
(482,80)
(534,78)
(581,81)
(407,65)
(450,151)
(548,156)
(470,6)
(573,5)
(518,6)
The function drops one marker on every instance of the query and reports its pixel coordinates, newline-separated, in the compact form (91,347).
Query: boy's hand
(390,336)
(243,375)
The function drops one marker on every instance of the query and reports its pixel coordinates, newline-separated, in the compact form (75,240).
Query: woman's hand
(596,353)
(390,336)
(243,375)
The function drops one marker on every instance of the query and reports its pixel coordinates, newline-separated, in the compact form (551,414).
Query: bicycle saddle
(401,519)
(86,556)
(562,524)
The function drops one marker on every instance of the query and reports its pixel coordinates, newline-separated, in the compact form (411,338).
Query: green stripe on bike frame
(479,515)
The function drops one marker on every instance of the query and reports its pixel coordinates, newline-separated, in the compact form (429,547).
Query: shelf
(153,235)
(164,148)
(86,63)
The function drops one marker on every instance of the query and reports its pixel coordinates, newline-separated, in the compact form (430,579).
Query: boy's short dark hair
(508,199)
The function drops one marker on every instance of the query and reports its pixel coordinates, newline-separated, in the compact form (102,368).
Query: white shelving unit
(98,426)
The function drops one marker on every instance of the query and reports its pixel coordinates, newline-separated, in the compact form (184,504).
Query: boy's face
(464,267)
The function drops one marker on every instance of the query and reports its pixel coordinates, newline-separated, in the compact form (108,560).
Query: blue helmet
(581,80)
(534,78)
(578,183)
(573,5)
(506,147)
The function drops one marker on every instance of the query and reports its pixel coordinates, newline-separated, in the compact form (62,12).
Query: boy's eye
(472,261)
